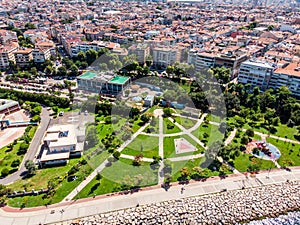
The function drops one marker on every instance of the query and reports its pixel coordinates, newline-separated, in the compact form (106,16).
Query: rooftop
(119,80)
(88,75)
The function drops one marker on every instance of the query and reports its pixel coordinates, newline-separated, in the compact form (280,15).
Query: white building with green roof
(102,83)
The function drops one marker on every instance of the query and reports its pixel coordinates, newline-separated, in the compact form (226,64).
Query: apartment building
(40,55)
(256,73)
(23,57)
(164,56)
(288,76)
(141,50)
(231,60)
(7,54)
(7,36)
(201,60)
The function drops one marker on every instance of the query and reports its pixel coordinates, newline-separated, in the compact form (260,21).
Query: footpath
(70,210)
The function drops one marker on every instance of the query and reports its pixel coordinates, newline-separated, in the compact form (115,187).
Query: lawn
(169,127)
(185,122)
(290,153)
(208,133)
(146,145)
(244,161)
(153,128)
(119,176)
(169,146)
(40,180)
(190,164)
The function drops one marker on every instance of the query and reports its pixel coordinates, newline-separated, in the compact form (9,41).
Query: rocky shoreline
(231,207)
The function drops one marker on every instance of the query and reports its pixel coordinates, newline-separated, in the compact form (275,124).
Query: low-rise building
(102,83)
(8,106)
(60,143)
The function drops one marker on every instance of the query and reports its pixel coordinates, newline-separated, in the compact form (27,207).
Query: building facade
(256,73)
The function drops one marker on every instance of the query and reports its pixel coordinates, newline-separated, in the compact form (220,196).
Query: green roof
(119,80)
(88,75)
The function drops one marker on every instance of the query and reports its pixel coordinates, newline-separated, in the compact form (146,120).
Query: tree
(137,160)
(91,56)
(29,26)
(185,173)
(250,132)
(81,56)
(29,165)
(48,70)
(61,71)
(91,136)
(117,154)
(23,148)
(4,172)
(167,112)
(73,71)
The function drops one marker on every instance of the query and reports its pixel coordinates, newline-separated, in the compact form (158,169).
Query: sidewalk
(111,202)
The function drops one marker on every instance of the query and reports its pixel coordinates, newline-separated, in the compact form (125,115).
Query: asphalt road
(32,150)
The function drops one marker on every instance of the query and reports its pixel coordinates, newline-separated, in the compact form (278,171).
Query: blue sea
(292,218)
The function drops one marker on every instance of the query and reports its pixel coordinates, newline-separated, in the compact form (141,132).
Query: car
(85,112)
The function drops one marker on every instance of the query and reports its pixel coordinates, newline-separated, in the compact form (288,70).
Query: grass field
(169,127)
(208,133)
(146,145)
(290,153)
(185,122)
(119,176)
(40,180)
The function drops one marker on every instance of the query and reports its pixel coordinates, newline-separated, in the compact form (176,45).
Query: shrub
(4,172)
(15,163)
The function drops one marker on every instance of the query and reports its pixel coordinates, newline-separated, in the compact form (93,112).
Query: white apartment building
(201,60)
(40,55)
(164,56)
(7,54)
(256,73)
(74,48)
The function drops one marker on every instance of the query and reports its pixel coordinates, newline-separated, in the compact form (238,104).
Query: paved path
(160,174)
(112,202)
(230,137)
(89,178)
(187,157)
(33,149)
(132,157)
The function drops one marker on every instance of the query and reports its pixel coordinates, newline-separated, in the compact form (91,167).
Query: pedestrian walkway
(101,204)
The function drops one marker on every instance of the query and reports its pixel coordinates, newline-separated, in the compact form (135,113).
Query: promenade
(70,210)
